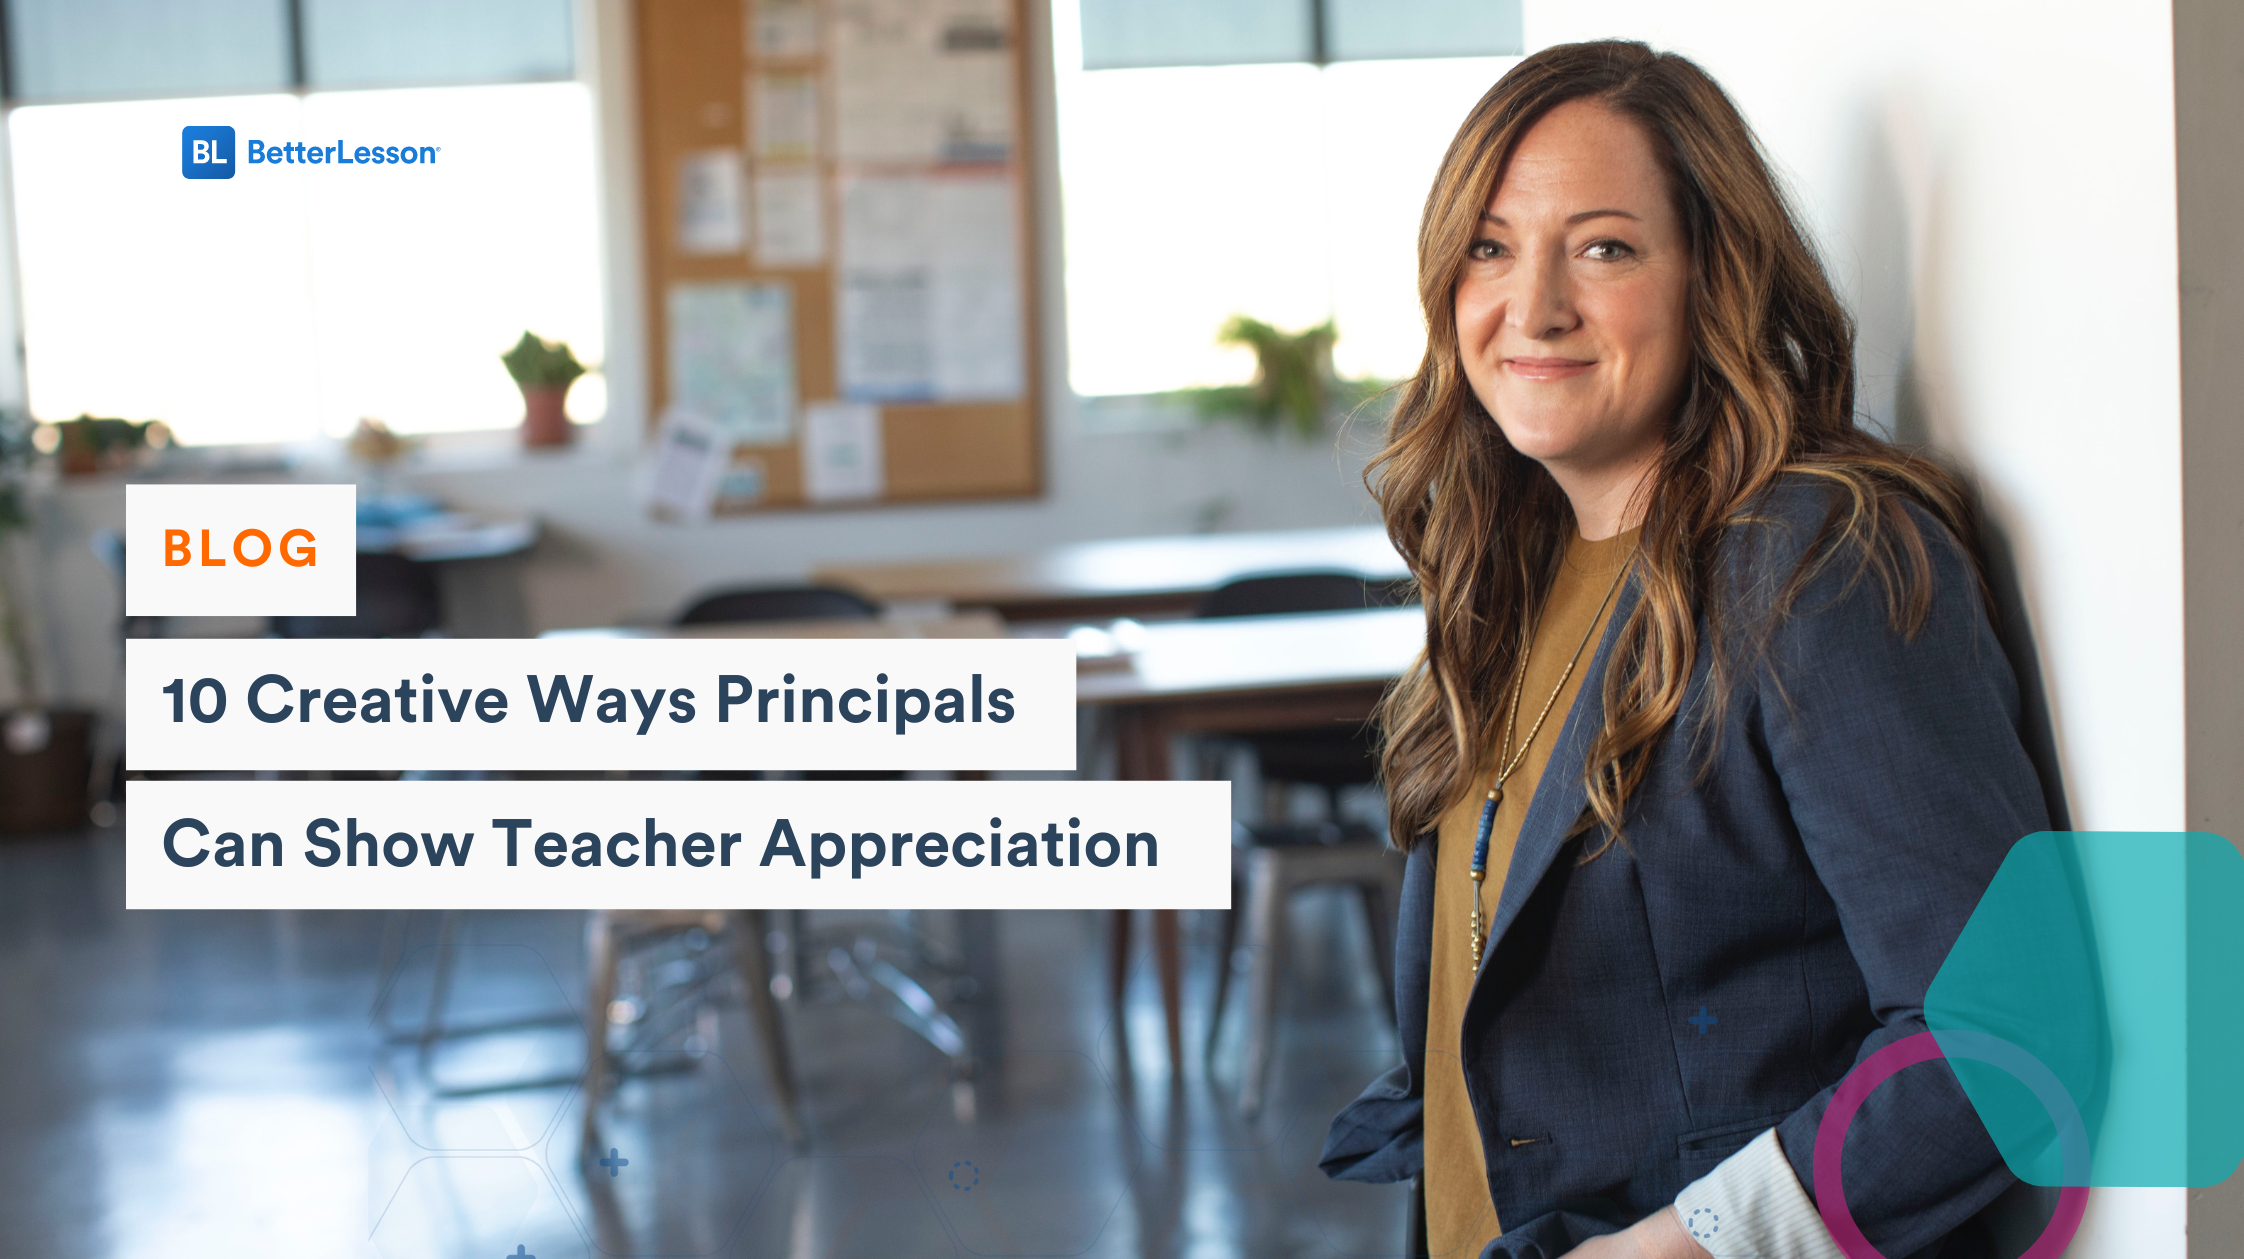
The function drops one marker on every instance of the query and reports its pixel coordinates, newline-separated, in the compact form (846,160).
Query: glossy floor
(215,1083)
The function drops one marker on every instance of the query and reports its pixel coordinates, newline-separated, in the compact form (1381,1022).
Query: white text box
(625,703)
(715,845)
(241,550)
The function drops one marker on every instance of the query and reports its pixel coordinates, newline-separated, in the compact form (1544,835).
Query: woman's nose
(1542,307)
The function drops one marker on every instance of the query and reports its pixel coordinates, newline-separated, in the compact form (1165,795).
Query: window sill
(326,460)
(1123,413)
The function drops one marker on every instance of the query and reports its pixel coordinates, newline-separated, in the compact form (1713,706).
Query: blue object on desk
(395,509)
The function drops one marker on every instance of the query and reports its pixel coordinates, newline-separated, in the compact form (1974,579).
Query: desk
(420,564)
(1121,577)
(1234,676)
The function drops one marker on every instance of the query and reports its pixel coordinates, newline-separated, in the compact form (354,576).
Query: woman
(1752,647)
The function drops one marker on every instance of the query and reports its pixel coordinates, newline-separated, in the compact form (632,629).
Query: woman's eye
(1608,251)
(1483,250)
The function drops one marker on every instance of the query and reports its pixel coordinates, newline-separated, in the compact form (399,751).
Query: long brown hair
(1769,392)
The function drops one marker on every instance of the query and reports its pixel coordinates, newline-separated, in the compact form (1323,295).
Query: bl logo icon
(206,152)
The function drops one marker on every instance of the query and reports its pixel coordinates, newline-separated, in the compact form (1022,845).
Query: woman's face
(1571,312)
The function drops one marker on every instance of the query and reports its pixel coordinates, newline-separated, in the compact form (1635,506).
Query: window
(1285,190)
(292,300)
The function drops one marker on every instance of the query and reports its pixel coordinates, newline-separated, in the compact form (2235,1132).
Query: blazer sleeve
(1380,1136)
(1900,759)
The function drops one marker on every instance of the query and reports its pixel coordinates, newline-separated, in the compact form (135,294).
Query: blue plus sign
(612,1162)
(521,1252)
(1702,1021)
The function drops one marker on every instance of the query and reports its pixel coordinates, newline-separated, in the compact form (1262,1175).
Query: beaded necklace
(1505,768)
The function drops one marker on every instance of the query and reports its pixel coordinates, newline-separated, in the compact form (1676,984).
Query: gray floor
(187,1084)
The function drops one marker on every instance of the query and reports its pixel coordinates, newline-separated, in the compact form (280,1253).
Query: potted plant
(1295,386)
(91,444)
(543,370)
(44,751)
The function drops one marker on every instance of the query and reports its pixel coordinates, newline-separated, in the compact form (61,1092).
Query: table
(1232,675)
(965,625)
(1237,675)
(420,561)
(1120,577)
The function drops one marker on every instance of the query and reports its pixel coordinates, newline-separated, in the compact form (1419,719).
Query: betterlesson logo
(206,152)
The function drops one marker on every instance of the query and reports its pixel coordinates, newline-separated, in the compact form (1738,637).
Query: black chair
(785,603)
(1277,857)
(397,598)
(1274,594)
(778,603)
(1330,758)
(857,974)
(610,934)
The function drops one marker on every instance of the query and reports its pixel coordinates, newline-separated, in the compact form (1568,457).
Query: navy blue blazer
(1797,871)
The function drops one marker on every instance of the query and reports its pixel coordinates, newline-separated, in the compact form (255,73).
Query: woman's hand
(1659,1235)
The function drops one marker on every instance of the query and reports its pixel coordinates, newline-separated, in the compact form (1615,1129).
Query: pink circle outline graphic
(1831,1137)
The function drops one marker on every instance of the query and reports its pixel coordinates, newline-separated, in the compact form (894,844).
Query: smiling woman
(1710,715)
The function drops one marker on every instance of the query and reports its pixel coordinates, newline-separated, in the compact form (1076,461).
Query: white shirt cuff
(1751,1206)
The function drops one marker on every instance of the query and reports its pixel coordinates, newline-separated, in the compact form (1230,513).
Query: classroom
(1152,628)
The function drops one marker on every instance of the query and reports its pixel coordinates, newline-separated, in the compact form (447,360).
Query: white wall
(1994,188)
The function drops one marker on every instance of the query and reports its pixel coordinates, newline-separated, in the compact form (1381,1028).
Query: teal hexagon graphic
(2115,959)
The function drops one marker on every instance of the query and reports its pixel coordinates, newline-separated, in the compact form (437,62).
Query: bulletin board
(841,285)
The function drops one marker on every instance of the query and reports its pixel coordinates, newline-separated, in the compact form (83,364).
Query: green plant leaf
(535,363)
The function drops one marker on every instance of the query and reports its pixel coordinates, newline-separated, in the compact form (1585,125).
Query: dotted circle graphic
(1831,1134)
(1703,1223)
(964,1181)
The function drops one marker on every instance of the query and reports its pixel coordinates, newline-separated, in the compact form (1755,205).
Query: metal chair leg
(600,975)
(1225,951)
(1379,916)
(440,983)
(753,957)
(1266,935)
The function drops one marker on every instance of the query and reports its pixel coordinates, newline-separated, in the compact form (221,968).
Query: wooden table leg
(1168,953)
(1142,755)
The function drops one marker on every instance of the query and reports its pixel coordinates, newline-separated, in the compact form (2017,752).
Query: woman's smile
(1529,368)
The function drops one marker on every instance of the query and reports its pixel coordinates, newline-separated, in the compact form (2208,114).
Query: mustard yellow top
(1460,1219)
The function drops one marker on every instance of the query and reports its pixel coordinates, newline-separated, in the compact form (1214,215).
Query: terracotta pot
(545,422)
(80,456)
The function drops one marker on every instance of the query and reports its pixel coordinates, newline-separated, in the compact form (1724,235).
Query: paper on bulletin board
(684,467)
(922,81)
(790,216)
(842,457)
(742,482)
(784,28)
(975,311)
(929,306)
(732,358)
(784,108)
(711,216)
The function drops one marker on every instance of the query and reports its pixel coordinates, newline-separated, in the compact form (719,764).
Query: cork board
(799,95)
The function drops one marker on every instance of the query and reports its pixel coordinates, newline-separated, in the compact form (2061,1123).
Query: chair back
(1273,594)
(397,598)
(778,603)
